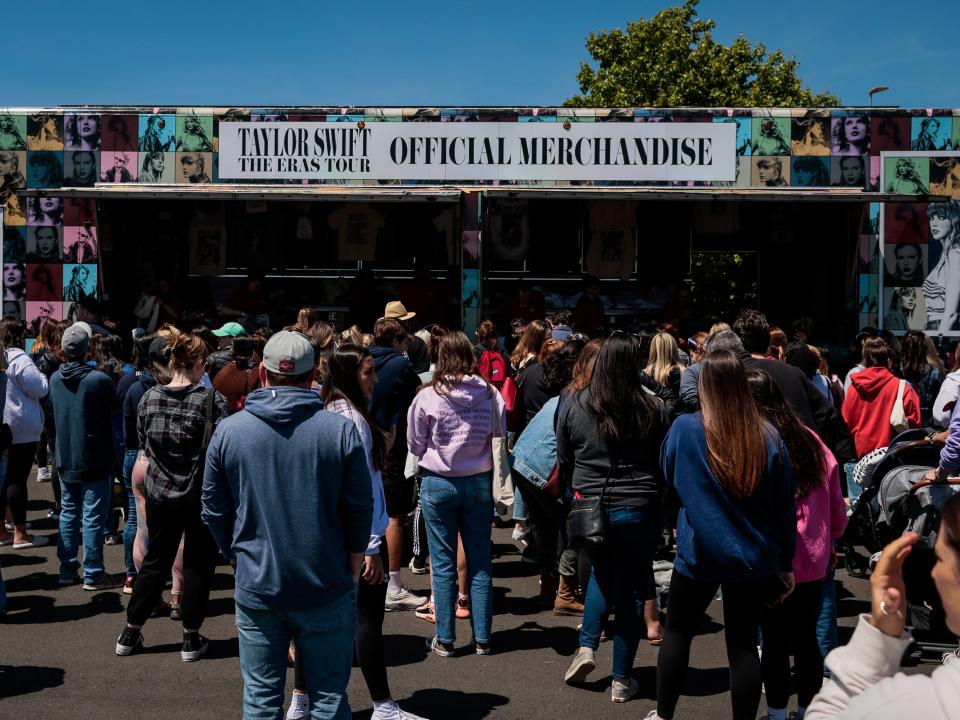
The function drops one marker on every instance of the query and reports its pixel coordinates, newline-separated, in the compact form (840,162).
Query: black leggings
(369,644)
(687,602)
(14,493)
(792,624)
(165,526)
(47,454)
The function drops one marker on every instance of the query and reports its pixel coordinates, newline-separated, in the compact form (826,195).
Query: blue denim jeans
(83,504)
(519,508)
(324,637)
(461,505)
(619,582)
(827,622)
(853,490)
(130,523)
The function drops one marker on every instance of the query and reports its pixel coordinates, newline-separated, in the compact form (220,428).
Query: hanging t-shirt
(357,226)
(612,250)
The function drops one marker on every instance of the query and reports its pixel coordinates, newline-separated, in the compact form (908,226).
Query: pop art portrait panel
(13,132)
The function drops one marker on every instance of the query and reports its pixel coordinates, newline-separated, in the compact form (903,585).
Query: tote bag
(502,480)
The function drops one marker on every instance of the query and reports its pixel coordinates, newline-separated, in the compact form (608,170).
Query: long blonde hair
(664,357)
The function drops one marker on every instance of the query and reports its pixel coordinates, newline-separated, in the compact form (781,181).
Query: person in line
(392,396)
(528,349)
(26,386)
(174,424)
(821,519)
(864,682)
(664,364)
(45,354)
(130,391)
(736,530)
(608,442)
(283,474)
(923,369)
(869,404)
(495,367)
(534,458)
(450,426)
(949,391)
(562,320)
(240,376)
(82,399)
(347,389)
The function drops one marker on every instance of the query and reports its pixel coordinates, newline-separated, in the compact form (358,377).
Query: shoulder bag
(502,480)
(898,416)
(586,521)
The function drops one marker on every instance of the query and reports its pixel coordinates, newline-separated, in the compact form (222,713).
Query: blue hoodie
(286,490)
(83,400)
(397,383)
(720,538)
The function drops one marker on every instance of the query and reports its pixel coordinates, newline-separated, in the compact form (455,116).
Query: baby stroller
(912,447)
(908,502)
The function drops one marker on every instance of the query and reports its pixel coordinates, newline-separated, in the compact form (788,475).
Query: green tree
(674,61)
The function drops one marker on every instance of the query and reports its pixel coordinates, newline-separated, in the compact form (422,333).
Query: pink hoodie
(451,433)
(821,519)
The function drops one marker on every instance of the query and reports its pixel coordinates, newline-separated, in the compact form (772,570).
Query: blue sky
(433,53)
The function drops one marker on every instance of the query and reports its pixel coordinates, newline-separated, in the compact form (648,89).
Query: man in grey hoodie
(83,400)
(287,494)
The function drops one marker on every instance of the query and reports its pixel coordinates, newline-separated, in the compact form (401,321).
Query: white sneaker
(391,711)
(403,599)
(299,707)
(43,474)
(519,535)
(621,692)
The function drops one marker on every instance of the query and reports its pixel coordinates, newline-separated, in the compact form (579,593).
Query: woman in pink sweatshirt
(450,426)
(821,519)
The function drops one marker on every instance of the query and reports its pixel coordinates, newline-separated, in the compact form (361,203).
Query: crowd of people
(643,474)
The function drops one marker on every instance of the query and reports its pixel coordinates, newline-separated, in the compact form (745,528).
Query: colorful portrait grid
(910,285)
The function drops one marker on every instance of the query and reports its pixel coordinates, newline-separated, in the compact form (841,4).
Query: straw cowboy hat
(396,310)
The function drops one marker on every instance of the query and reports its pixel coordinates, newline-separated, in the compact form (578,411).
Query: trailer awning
(727,194)
(338,193)
(451,194)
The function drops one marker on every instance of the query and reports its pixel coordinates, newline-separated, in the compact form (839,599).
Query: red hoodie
(869,403)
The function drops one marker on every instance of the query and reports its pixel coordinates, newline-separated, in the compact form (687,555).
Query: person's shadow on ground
(440,703)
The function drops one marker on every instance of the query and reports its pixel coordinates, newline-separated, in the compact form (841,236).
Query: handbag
(586,521)
(503,489)
(898,417)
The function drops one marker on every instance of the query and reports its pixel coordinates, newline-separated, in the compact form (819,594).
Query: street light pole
(877,89)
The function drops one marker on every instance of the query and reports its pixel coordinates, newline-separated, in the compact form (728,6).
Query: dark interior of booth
(686,262)
(692,263)
(329,255)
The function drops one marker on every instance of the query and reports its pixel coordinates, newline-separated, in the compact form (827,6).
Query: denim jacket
(535,452)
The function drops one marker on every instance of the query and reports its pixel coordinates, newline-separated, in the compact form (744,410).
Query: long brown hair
(455,361)
(807,458)
(583,367)
(734,429)
(531,342)
(49,337)
(342,380)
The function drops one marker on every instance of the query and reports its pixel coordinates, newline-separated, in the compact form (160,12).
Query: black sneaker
(195,646)
(130,640)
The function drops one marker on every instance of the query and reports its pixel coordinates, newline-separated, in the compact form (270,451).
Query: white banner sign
(629,152)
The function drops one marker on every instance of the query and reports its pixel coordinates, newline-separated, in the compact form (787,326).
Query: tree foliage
(673,60)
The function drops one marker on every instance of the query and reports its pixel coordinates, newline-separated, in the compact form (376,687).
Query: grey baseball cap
(75,341)
(289,353)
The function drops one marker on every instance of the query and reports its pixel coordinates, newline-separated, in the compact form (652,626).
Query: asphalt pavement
(57,652)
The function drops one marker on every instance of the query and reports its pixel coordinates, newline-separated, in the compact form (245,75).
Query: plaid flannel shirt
(170,425)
